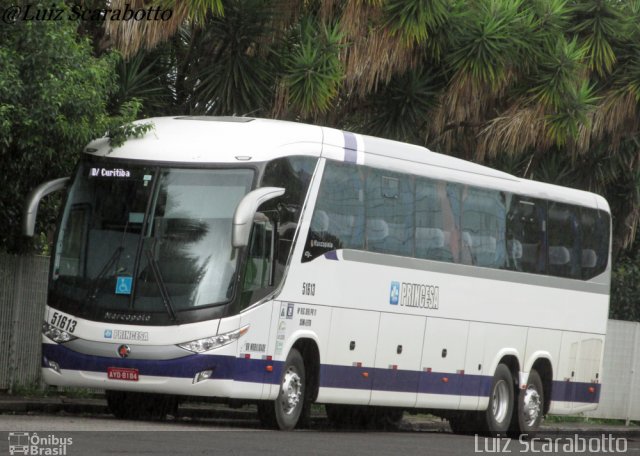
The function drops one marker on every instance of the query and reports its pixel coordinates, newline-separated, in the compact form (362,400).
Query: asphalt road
(103,435)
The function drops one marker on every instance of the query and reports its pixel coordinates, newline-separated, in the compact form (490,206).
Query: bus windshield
(147,238)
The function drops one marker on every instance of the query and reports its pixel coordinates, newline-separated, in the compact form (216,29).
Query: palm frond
(313,71)
(372,53)
(130,36)
(491,40)
(598,23)
(516,131)
(414,19)
(401,108)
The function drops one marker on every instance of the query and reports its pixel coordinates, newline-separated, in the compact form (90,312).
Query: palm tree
(547,89)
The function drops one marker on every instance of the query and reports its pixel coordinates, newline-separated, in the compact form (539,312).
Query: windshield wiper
(155,270)
(93,289)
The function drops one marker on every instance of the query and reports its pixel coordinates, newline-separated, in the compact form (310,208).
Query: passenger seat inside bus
(376,233)
(559,261)
(431,244)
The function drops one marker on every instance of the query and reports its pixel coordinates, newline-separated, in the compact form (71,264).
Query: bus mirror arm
(31,208)
(246,210)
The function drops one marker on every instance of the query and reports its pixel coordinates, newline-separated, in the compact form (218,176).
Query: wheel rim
(500,401)
(291,391)
(531,406)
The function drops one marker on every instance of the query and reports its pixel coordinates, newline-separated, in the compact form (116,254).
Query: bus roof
(208,139)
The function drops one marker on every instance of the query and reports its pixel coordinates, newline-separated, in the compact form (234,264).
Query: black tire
(285,412)
(140,406)
(499,413)
(530,407)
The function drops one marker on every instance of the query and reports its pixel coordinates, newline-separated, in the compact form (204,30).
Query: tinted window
(389,210)
(563,233)
(338,218)
(525,246)
(483,226)
(294,174)
(595,242)
(381,211)
(434,221)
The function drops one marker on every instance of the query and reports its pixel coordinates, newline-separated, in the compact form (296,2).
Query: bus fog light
(53,365)
(204,375)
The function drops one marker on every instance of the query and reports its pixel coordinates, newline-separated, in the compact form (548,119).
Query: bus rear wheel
(501,402)
(530,410)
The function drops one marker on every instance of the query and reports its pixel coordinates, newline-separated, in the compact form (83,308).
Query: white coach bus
(283,264)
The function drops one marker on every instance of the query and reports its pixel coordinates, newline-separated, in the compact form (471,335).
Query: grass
(36,390)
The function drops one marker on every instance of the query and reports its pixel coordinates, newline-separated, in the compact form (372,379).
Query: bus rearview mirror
(31,208)
(246,210)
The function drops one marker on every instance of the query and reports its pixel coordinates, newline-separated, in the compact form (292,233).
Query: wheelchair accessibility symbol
(123,285)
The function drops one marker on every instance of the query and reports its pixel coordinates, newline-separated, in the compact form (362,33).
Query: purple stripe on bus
(332,255)
(350,147)
(331,376)
(223,367)
(576,392)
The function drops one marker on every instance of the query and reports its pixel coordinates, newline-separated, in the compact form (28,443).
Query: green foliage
(600,24)
(53,101)
(414,19)
(548,89)
(490,39)
(121,128)
(313,71)
(143,77)
(237,77)
(625,288)
(565,122)
(401,108)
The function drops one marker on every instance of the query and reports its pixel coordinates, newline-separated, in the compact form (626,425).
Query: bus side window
(294,174)
(338,218)
(483,224)
(259,272)
(526,248)
(594,227)
(563,232)
(433,235)
(390,213)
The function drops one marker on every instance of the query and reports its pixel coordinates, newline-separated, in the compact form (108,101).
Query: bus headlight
(56,334)
(209,343)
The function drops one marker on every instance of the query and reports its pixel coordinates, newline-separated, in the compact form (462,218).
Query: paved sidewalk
(192,410)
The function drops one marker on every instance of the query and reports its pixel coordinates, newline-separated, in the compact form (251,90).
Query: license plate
(122,373)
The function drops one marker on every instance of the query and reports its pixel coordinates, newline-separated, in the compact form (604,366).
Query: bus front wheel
(285,412)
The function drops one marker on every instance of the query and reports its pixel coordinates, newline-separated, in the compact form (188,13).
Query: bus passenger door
(443,362)
(397,373)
